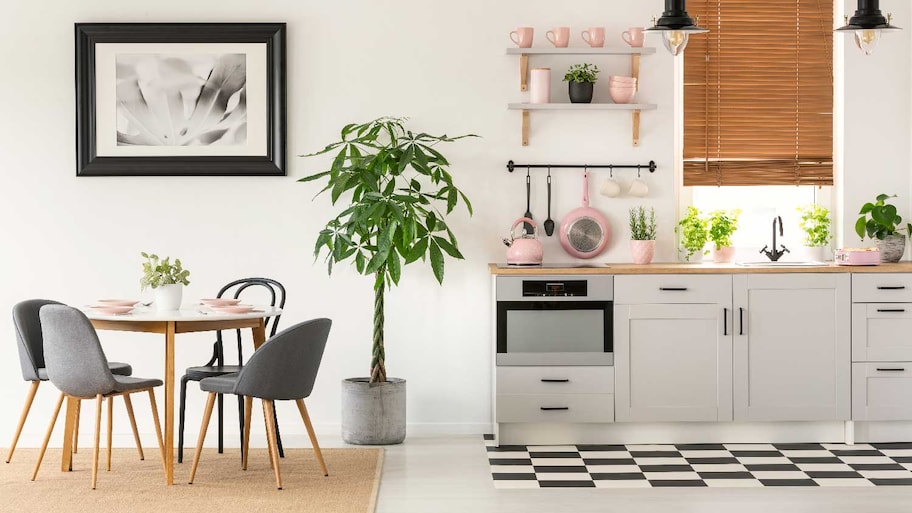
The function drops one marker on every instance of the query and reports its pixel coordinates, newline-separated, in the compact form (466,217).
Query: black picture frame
(89,163)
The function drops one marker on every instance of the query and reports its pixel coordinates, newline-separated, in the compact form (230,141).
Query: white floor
(451,474)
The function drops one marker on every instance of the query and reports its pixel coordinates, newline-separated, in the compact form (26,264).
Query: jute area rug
(220,485)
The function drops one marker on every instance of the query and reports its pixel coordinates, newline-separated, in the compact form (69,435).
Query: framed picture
(180,99)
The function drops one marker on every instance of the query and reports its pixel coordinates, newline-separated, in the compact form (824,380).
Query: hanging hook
(638,171)
(549,174)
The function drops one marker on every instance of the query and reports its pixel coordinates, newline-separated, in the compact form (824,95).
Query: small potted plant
(581,78)
(694,235)
(642,234)
(879,221)
(722,225)
(815,223)
(166,279)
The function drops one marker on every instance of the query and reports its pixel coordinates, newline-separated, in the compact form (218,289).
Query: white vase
(168,297)
(642,251)
(818,253)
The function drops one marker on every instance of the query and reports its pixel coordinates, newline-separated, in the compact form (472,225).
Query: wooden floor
(451,475)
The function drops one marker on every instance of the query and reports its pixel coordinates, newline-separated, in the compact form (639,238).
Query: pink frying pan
(584,232)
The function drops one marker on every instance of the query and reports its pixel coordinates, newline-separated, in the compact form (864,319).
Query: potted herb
(581,78)
(722,225)
(166,279)
(815,223)
(694,233)
(879,221)
(397,192)
(642,234)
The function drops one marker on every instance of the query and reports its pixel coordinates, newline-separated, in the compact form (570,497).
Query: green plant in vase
(694,231)
(815,223)
(722,225)
(642,234)
(166,279)
(582,78)
(880,221)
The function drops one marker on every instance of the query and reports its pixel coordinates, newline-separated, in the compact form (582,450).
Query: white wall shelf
(582,51)
(582,106)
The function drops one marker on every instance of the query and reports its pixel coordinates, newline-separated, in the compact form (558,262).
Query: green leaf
(359,262)
(884,197)
(339,186)
(437,262)
(452,197)
(431,222)
(417,251)
(449,248)
(394,267)
(867,207)
(467,202)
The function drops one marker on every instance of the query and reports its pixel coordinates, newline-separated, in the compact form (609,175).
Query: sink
(767,263)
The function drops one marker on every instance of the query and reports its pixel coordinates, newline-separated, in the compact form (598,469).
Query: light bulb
(867,40)
(675,41)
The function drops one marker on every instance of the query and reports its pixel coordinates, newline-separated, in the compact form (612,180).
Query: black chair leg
(180,424)
(221,428)
(275,420)
(240,399)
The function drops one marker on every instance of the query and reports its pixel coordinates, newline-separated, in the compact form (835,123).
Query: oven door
(554,333)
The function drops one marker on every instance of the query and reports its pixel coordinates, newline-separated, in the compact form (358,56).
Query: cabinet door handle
(545,380)
(673,289)
(725,321)
(882,369)
(740,321)
(891,310)
(891,287)
(554,408)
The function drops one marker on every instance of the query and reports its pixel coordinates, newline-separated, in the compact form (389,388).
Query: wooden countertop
(684,268)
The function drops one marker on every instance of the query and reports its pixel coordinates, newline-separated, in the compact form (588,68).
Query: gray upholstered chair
(77,366)
(282,369)
(31,357)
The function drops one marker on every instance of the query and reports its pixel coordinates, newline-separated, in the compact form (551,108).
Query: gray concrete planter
(373,414)
(891,248)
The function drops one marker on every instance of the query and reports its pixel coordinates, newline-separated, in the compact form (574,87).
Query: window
(758,94)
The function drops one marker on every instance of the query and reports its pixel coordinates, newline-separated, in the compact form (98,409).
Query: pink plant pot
(723,255)
(621,79)
(621,94)
(642,251)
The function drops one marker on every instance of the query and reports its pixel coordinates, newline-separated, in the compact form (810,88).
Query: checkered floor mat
(702,465)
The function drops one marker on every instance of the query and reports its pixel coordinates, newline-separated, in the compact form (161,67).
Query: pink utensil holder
(540,85)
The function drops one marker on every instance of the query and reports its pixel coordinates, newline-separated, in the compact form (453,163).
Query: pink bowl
(117,302)
(615,78)
(220,301)
(112,310)
(232,309)
(621,94)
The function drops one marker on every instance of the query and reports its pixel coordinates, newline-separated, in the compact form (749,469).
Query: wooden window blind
(758,93)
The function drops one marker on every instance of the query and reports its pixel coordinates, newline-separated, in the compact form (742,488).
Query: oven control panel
(549,288)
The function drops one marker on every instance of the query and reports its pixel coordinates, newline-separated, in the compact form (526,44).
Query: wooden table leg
(259,334)
(72,408)
(169,402)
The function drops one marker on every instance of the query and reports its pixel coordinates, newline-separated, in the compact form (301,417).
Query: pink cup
(559,37)
(594,37)
(522,37)
(633,36)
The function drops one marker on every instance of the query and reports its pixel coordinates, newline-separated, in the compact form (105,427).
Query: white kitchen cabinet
(880,332)
(673,361)
(881,391)
(792,347)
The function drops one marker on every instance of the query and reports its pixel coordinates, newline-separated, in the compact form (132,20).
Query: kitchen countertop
(685,268)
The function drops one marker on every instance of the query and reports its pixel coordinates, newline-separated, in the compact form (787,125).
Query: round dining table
(169,323)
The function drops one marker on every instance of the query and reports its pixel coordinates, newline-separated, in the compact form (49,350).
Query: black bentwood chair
(275,293)
(282,369)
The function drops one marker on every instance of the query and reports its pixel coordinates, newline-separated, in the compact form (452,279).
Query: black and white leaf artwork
(181,100)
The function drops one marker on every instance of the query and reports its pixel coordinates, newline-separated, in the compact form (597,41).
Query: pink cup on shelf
(559,37)
(633,36)
(594,37)
(522,37)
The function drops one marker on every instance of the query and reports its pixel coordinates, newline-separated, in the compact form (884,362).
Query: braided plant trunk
(378,354)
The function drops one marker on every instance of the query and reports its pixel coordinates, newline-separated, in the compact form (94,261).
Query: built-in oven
(555,320)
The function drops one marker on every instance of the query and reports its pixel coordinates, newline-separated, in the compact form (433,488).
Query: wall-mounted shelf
(635,108)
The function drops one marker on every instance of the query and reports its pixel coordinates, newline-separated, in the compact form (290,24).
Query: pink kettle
(527,249)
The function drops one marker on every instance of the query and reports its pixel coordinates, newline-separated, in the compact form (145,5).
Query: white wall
(442,64)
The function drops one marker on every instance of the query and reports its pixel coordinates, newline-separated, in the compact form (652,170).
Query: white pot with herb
(642,234)
(815,223)
(166,279)
(694,231)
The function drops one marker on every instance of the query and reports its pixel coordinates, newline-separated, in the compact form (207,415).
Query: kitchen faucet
(775,254)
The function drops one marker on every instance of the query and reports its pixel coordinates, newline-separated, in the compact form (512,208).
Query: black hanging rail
(651,167)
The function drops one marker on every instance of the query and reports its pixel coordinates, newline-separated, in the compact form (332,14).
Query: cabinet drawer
(880,332)
(882,391)
(672,288)
(555,380)
(882,288)
(576,408)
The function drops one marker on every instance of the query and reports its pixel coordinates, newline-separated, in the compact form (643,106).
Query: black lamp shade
(868,17)
(675,17)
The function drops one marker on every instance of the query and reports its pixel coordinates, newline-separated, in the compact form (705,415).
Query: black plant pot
(581,92)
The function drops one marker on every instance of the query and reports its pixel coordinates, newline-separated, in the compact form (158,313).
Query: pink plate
(112,310)
(117,302)
(220,301)
(232,309)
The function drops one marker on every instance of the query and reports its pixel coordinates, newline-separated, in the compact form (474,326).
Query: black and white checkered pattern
(703,465)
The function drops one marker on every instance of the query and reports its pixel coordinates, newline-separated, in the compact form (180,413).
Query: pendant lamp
(676,26)
(868,24)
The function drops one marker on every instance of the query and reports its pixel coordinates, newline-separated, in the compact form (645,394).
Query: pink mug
(559,37)
(594,37)
(522,37)
(633,36)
